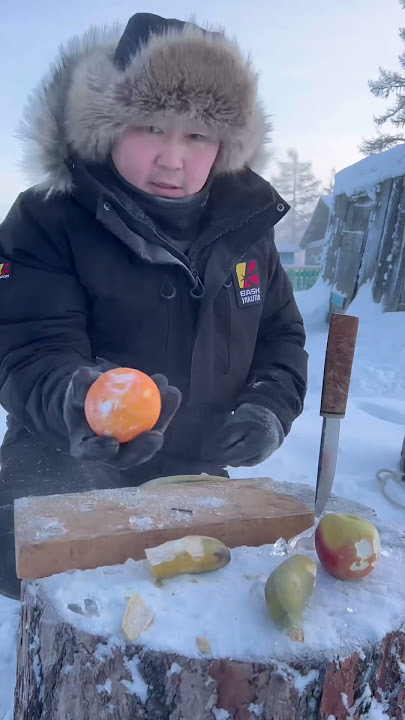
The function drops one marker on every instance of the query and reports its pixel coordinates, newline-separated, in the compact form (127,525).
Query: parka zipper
(168,293)
(228,284)
(177,253)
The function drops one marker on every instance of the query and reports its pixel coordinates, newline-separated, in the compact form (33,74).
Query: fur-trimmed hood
(91,96)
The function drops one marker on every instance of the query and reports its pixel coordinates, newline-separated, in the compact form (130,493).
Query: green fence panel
(303,277)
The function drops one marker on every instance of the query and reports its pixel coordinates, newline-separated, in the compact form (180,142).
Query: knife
(336,381)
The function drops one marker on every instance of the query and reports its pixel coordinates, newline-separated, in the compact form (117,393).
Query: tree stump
(74,662)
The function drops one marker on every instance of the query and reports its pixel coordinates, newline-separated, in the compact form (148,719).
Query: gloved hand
(249,436)
(86,445)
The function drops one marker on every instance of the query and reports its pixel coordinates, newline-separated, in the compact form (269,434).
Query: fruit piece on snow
(203,644)
(287,591)
(137,618)
(348,546)
(189,554)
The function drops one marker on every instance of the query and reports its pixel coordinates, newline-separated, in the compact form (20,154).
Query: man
(148,243)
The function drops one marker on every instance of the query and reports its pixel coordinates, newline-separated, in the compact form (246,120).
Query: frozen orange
(122,403)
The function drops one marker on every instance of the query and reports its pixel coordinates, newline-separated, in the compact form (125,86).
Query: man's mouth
(165,189)
(168,186)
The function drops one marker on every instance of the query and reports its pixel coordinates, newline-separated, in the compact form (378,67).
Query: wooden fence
(302,277)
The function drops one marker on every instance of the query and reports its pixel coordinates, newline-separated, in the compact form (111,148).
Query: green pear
(287,591)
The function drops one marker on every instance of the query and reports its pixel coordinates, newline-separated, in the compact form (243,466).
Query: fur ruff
(86,102)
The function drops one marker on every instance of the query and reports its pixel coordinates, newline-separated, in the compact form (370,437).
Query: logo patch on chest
(4,271)
(247,283)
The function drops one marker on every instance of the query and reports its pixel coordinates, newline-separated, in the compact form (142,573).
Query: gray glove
(249,436)
(86,445)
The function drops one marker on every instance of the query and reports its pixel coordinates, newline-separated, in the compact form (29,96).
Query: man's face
(165,161)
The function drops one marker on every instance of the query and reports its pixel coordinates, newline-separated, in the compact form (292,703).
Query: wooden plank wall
(366,241)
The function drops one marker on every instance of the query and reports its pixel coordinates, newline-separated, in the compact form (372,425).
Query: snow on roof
(369,172)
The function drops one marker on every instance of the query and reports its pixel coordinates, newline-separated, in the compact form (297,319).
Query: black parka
(89,276)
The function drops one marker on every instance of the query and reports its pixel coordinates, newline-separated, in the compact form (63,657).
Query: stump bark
(65,673)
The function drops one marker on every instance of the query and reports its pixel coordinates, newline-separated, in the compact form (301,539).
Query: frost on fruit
(189,554)
(137,618)
(287,591)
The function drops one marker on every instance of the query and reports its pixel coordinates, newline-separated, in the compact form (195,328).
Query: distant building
(313,239)
(301,276)
(365,238)
(288,254)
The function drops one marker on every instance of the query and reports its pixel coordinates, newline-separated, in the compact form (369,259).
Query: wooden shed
(365,237)
(313,239)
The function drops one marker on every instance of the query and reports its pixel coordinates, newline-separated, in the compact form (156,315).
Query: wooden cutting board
(55,533)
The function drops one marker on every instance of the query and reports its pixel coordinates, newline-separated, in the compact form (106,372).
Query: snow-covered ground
(374,426)
(371,434)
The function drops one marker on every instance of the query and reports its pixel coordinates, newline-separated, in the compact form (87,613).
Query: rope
(397,477)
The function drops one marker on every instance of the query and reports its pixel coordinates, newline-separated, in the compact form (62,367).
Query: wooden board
(56,533)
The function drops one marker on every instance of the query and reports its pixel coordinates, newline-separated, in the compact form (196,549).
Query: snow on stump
(212,652)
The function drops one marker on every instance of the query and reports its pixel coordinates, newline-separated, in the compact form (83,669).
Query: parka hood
(157,71)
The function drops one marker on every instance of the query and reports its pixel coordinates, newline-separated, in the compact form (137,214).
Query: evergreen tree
(389,83)
(298,185)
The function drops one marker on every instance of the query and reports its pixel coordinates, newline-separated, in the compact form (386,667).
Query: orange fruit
(122,403)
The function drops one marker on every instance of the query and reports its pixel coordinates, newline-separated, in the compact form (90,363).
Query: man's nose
(171,156)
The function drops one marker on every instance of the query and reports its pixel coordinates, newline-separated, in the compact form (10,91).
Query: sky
(314,58)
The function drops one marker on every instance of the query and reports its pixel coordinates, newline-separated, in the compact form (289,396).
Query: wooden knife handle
(338,364)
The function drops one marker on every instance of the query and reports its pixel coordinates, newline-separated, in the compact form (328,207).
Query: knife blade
(335,389)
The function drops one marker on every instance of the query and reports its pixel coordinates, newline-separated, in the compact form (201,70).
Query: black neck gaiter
(177,218)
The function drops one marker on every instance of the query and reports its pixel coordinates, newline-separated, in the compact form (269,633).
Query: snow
(371,438)
(301,681)
(47,527)
(366,174)
(142,523)
(375,712)
(227,607)
(9,610)
(220,713)
(174,669)
(255,709)
(106,687)
(137,685)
